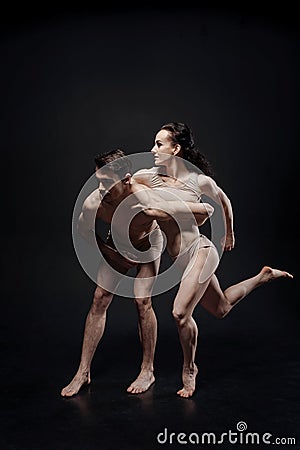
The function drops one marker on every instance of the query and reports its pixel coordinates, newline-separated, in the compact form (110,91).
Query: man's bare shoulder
(92,202)
(143,176)
(143,172)
(141,191)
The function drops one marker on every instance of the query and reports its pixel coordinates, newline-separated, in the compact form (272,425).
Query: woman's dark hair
(181,134)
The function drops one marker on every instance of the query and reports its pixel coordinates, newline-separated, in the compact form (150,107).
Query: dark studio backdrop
(76,83)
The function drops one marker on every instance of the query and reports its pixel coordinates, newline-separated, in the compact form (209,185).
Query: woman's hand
(228,242)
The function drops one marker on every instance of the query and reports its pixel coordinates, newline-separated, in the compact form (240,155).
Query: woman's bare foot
(142,382)
(80,379)
(268,274)
(189,382)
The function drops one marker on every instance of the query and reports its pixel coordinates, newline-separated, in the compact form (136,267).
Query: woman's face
(163,148)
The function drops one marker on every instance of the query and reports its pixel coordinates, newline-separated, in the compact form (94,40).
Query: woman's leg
(220,303)
(190,292)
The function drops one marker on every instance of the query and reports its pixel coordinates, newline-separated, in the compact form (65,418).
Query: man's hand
(113,257)
(205,212)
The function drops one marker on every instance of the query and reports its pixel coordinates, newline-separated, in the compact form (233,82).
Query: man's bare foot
(268,274)
(76,384)
(189,382)
(142,382)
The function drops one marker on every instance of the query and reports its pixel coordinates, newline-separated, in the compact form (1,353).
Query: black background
(76,82)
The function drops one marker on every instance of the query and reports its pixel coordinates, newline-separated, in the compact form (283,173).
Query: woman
(175,152)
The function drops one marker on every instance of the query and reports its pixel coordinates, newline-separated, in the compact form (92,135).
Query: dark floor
(249,378)
(249,366)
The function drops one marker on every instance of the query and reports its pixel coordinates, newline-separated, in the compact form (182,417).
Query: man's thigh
(145,278)
(109,275)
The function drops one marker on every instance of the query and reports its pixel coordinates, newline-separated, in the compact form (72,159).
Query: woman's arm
(210,188)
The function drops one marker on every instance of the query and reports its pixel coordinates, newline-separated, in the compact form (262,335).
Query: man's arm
(155,206)
(86,227)
(201,211)
(176,208)
(210,188)
(150,204)
(86,221)
(195,212)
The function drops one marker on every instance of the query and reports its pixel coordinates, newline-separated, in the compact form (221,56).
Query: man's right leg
(95,324)
(93,332)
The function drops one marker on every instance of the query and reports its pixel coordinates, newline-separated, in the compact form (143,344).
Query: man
(132,210)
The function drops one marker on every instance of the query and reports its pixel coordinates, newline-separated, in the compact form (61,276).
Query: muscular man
(133,209)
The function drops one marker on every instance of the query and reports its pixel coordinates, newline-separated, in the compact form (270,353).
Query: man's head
(113,173)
